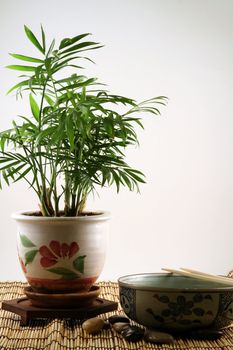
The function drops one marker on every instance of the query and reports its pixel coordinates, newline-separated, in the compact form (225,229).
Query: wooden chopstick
(204,273)
(201,276)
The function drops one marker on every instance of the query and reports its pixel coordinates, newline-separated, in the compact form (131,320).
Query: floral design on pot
(62,254)
(56,250)
(53,255)
(30,254)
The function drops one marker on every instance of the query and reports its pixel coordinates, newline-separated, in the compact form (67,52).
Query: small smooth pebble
(116,318)
(119,326)
(133,333)
(156,337)
(93,325)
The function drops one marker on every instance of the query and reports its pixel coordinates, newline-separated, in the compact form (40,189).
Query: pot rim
(122,282)
(101,215)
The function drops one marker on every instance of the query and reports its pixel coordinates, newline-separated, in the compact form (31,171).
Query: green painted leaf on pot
(29,256)
(78,263)
(26,241)
(65,273)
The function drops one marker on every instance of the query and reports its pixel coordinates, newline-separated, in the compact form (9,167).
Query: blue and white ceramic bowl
(175,303)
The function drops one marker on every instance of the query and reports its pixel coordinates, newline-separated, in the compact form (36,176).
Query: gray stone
(119,326)
(117,318)
(133,333)
(156,337)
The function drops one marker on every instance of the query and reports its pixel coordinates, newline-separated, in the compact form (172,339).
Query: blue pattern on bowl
(177,309)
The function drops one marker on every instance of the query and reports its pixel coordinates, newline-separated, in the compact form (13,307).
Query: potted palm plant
(72,142)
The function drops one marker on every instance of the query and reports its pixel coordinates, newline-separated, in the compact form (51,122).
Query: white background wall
(179,48)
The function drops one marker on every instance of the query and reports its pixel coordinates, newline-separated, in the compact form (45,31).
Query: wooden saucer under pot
(62,300)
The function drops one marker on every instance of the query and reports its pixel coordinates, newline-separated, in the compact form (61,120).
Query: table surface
(68,334)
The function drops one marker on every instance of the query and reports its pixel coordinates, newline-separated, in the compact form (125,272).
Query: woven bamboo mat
(68,334)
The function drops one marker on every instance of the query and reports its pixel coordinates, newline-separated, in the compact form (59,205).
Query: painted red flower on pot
(55,251)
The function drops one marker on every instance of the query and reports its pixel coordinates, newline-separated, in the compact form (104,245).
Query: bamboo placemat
(68,334)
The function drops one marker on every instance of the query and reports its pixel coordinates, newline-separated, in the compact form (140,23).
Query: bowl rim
(122,283)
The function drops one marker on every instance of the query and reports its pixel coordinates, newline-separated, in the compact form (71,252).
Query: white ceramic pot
(62,253)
